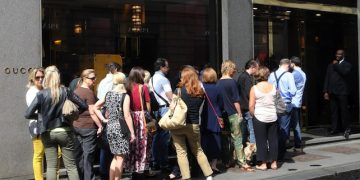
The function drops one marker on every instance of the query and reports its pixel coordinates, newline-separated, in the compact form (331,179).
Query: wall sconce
(58,42)
(77,29)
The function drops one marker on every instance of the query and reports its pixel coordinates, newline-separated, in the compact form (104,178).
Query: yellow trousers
(38,158)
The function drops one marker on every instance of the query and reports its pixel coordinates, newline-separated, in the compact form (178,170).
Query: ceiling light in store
(255,8)
(288,11)
(318,14)
(302,22)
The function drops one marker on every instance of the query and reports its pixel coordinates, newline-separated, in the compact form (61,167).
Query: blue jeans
(284,130)
(295,126)
(160,144)
(248,120)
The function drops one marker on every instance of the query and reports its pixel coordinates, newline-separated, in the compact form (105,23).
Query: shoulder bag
(279,102)
(70,110)
(177,118)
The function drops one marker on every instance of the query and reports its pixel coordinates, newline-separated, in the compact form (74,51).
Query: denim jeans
(284,130)
(160,144)
(295,126)
(64,138)
(248,121)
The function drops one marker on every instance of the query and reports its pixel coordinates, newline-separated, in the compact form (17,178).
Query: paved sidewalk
(315,162)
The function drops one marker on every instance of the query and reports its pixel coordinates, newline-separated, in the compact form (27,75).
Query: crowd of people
(122,119)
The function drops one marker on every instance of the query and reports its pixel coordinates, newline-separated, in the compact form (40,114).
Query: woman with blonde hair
(87,127)
(35,80)
(120,130)
(192,94)
(231,99)
(54,128)
(212,122)
(262,108)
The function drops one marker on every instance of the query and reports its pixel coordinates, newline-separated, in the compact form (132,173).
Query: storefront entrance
(314,36)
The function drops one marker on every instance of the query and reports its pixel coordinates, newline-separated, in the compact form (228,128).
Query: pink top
(135,104)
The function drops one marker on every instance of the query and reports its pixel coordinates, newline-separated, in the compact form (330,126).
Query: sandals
(260,168)
(247,169)
(274,167)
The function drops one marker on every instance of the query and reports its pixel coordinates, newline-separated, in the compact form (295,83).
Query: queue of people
(121,113)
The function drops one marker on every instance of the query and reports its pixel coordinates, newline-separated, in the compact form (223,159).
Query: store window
(76,33)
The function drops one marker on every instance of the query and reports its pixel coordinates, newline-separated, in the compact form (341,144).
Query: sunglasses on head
(39,77)
(93,78)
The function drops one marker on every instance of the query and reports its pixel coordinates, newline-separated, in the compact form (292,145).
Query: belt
(165,105)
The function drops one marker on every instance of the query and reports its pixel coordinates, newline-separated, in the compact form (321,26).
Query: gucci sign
(17,70)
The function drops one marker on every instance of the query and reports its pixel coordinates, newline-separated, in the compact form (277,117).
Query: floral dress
(118,140)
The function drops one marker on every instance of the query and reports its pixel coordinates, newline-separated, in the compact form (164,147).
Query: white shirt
(33,125)
(106,85)
(265,110)
(341,60)
(31,94)
(161,86)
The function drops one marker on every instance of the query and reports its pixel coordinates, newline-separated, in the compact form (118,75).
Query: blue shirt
(300,80)
(230,93)
(286,84)
(209,120)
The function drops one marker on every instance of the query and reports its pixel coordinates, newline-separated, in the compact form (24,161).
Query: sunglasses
(39,77)
(93,78)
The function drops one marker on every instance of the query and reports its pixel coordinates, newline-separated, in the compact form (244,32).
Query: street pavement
(324,157)
(314,162)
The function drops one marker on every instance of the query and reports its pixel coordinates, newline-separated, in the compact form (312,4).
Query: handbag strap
(212,107)
(162,98)
(142,105)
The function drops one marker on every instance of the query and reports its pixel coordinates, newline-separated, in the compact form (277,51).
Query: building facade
(197,32)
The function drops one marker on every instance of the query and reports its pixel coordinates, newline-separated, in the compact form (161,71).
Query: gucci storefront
(72,34)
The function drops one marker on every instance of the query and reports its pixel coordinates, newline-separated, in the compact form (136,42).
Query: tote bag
(177,119)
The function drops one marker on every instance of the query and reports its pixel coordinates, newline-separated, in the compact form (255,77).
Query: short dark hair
(284,61)
(160,62)
(112,66)
(251,63)
(296,60)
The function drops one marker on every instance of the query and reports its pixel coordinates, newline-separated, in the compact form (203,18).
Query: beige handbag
(70,110)
(177,119)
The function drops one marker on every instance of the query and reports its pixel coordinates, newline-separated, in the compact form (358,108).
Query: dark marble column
(237,31)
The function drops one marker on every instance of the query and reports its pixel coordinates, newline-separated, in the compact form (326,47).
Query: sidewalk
(324,157)
(316,162)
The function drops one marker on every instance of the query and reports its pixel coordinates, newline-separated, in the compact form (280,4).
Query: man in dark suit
(337,91)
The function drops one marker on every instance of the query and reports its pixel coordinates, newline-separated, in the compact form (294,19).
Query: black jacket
(337,77)
(245,82)
(50,115)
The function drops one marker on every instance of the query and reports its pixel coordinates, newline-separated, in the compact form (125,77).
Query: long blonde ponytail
(52,81)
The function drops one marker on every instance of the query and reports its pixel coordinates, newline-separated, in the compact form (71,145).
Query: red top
(135,104)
